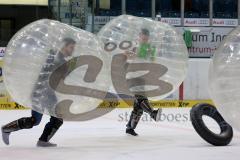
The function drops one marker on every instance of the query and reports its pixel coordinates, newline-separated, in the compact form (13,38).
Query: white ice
(104,139)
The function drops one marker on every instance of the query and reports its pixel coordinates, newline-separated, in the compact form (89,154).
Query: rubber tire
(196,114)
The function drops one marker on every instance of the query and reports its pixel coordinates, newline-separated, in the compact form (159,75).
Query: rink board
(5,105)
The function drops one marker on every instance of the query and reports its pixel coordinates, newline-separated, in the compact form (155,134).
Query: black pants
(140,105)
(50,128)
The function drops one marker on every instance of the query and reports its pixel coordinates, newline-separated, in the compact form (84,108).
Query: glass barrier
(196,9)
(168,8)
(225,9)
(140,8)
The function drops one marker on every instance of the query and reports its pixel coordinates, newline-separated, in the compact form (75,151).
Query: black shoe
(156,114)
(131,132)
(45,144)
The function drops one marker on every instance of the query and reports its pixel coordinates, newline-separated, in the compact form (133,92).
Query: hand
(130,54)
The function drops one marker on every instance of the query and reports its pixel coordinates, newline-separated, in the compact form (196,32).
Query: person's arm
(131,54)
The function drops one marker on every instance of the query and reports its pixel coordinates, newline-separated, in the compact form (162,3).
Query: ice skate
(45,144)
(130,131)
(5,136)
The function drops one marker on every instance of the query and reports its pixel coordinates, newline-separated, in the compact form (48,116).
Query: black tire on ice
(196,114)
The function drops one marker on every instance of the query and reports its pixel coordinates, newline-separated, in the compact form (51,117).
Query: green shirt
(145,50)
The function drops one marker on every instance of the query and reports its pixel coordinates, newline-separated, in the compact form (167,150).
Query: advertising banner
(2,51)
(1,64)
(196,21)
(205,40)
(158,104)
(225,22)
(172,21)
(99,20)
(24,2)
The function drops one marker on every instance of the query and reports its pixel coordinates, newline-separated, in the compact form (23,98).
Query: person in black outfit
(141,102)
(43,98)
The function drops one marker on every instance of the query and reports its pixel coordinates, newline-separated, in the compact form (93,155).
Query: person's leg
(141,104)
(22,123)
(37,117)
(134,118)
(145,105)
(49,131)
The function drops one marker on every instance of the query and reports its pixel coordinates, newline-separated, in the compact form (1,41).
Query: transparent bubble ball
(149,57)
(56,69)
(224,76)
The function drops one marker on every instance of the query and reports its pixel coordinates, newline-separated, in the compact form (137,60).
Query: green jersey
(145,50)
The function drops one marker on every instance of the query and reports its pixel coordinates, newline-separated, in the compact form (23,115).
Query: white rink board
(104,139)
(196,82)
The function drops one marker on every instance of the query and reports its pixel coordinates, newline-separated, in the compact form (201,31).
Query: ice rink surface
(104,139)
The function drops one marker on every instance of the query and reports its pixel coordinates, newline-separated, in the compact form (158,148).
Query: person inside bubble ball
(141,104)
(144,48)
(43,97)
